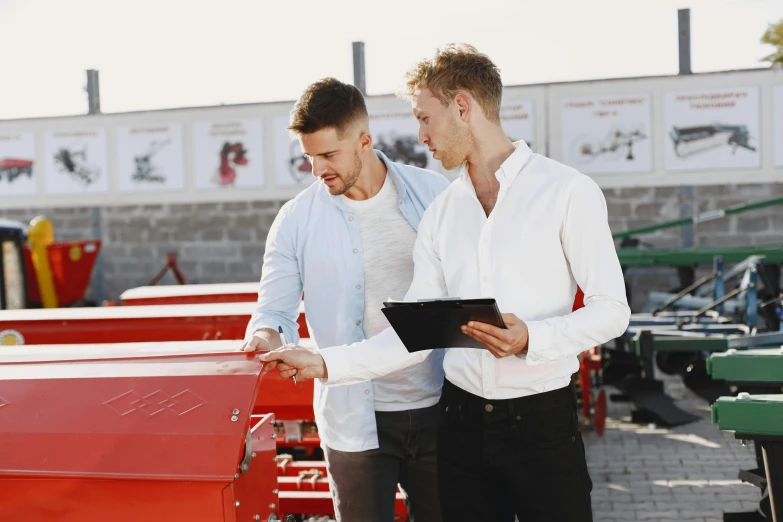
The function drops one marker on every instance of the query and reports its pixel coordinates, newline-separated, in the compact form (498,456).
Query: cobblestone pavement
(688,473)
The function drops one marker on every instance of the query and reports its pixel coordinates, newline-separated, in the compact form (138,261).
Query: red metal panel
(320,502)
(131,324)
(289,401)
(167,432)
(190,294)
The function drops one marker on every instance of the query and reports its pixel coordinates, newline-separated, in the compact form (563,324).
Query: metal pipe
(704,216)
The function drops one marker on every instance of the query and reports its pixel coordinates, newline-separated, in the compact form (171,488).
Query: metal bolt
(275,491)
(237,503)
(274,435)
(235,412)
(272,506)
(236,475)
(257,517)
(253,454)
(234,418)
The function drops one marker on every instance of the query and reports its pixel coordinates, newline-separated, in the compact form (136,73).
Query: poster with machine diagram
(607,134)
(17,164)
(395,132)
(517,120)
(777,123)
(149,158)
(292,169)
(712,129)
(76,161)
(229,154)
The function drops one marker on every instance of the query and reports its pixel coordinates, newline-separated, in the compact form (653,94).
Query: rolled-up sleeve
(280,290)
(590,250)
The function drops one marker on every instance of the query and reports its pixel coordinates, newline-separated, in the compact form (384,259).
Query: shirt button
(355,250)
(367,392)
(488,407)
(358,323)
(350,218)
(489,392)
(358,286)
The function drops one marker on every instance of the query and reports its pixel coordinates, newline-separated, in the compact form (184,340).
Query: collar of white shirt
(509,169)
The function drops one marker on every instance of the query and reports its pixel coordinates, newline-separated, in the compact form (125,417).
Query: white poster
(517,120)
(76,162)
(17,164)
(712,129)
(395,132)
(291,166)
(777,123)
(229,154)
(607,134)
(149,158)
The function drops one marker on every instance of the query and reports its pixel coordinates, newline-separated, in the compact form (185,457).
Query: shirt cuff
(539,343)
(337,364)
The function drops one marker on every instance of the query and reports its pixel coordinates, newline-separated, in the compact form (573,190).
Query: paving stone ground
(687,473)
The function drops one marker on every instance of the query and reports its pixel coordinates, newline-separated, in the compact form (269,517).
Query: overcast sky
(155,54)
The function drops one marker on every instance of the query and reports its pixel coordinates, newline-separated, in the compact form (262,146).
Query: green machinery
(756,414)
(701,317)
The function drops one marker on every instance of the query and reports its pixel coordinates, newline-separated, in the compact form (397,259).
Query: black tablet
(434,324)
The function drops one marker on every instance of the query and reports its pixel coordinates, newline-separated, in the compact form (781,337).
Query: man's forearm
(370,359)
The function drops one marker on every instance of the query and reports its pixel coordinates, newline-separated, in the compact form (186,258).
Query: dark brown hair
(455,68)
(328,103)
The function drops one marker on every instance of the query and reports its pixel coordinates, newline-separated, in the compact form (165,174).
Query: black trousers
(364,483)
(523,456)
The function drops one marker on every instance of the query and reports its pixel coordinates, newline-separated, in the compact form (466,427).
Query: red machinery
(126,421)
(122,324)
(11,168)
(37,271)
(190,294)
(126,436)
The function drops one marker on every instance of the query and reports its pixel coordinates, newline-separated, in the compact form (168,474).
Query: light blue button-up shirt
(314,246)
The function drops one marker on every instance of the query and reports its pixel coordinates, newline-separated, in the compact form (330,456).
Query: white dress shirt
(547,234)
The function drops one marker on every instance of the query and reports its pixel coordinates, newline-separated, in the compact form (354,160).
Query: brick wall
(224,242)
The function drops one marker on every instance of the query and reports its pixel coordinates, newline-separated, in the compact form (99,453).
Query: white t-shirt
(387,256)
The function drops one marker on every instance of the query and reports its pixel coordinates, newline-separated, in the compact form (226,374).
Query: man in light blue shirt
(347,243)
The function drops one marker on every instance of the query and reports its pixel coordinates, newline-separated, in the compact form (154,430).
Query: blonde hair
(455,68)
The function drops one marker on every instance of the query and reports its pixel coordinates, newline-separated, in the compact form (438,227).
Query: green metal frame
(672,343)
(751,415)
(697,255)
(747,366)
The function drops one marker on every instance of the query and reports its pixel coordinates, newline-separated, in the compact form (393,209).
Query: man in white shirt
(346,243)
(527,231)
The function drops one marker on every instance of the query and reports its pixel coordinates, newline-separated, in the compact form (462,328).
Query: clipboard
(434,324)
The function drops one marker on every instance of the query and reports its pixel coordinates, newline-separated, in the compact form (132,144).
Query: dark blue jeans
(364,484)
(523,456)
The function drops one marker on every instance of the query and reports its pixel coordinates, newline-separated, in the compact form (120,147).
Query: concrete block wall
(224,242)
(215,242)
(637,207)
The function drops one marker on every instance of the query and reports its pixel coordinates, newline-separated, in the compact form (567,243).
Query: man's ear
(463,105)
(366,140)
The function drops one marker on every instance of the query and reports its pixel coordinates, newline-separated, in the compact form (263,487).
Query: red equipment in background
(71,263)
(190,294)
(130,436)
(123,324)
